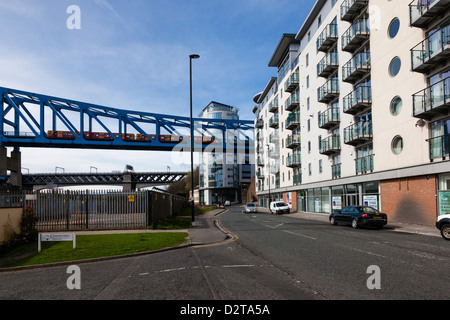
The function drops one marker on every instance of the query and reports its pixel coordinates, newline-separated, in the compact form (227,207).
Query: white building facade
(224,175)
(358,111)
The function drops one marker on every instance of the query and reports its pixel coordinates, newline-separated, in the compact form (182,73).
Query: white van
(279,207)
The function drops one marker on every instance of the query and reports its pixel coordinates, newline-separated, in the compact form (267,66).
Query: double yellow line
(230,237)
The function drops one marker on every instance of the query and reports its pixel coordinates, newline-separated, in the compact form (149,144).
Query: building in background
(358,111)
(224,176)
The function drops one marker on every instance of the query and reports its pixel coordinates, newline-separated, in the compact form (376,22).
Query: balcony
(351,8)
(357,68)
(292,102)
(330,145)
(432,101)
(421,15)
(273,105)
(336,171)
(260,162)
(293,120)
(327,38)
(274,137)
(357,100)
(328,65)
(294,161)
(275,169)
(292,82)
(297,178)
(439,147)
(274,153)
(293,141)
(329,118)
(431,52)
(260,174)
(358,32)
(329,91)
(364,164)
(259,123)
(358,133)
(274,121)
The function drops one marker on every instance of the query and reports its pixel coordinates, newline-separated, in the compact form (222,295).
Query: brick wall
(293,200)
(411,200)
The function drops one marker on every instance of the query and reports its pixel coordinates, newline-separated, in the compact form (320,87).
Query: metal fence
(59,210)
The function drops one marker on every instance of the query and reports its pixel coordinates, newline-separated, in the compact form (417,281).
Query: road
(272,258)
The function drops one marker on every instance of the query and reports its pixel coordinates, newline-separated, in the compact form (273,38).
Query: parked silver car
(250,207)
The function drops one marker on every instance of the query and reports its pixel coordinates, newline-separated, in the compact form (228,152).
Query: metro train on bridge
(104,136)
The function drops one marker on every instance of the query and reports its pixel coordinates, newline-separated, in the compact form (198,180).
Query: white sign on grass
(56,237)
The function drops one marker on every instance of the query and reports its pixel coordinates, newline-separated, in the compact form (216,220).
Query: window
(319,21)
(396,105)
(307,103)
(397,145)
(309,124)
(307,59)
(320,166)
(309,168)
(309,146)
(394,67)
(307,81)
(394,27)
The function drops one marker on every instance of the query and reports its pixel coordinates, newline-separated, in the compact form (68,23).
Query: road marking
(368,252)
(300,235)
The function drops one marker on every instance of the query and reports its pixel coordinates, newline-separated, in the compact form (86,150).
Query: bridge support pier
(13,164)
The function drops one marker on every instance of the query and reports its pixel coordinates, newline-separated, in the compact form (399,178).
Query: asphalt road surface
(271,258)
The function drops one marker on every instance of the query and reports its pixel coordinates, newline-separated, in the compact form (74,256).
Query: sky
(134,55)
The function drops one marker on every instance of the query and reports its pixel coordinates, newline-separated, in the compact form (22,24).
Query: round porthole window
(397,145)
(394,66)
(396,105)
(394,27)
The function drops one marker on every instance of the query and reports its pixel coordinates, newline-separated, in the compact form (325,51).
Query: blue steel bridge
(36,120)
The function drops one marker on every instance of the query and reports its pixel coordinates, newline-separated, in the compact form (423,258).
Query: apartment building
(223,175)
(358,111)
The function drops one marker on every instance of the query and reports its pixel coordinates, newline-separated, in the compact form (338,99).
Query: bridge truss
(35,120)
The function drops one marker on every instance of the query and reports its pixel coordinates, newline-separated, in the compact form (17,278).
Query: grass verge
(92,246)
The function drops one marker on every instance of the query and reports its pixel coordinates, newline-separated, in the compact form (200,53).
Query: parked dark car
(358,216)
(443,224)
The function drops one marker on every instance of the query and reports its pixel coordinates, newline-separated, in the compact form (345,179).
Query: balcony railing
(292,102)
(432,101)
(275,169)
(292,82)
(293,120)
(351,8)
(330,145)
(273,105)
(260,162)
(432,51)
(329,118)
(357,100)
(274,121)
(294,160)
(355,35)
(336,171)
(260,174)
(439,147)
(293,141)
(422,12)
(328,65)
(259,123)
(364,164)
(297,179)
(358,67)
(358,133)
(274,153)
(329,91)
(327,38)
(274,137)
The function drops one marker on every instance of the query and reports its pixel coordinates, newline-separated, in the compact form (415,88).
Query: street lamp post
(192,56)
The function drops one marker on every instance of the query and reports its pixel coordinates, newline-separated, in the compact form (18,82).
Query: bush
(28,225)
